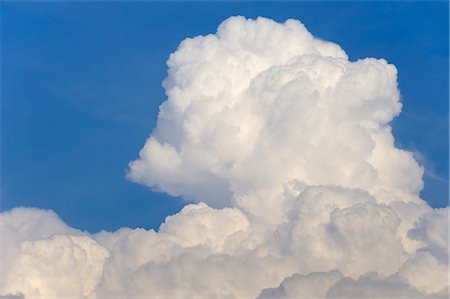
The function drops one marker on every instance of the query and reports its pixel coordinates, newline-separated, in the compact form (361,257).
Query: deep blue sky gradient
(81,86)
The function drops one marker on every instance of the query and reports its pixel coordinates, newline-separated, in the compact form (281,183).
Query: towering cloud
(286,147)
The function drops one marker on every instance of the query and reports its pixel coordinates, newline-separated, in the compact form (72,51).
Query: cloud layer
(285,146)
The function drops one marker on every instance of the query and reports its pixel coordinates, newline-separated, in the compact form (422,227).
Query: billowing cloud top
(286,147)
(261,104)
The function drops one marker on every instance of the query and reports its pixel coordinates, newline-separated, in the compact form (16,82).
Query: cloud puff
(285,148)
(259,104)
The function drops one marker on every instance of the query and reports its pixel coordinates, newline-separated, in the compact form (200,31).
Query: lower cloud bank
(332,243)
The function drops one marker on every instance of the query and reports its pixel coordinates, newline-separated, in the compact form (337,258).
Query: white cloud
(313,285)
(373,286)
(285,146)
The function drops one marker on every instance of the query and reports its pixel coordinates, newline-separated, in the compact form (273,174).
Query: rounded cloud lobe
(285,146)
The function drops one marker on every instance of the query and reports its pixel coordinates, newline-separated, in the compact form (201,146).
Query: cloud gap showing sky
(285,148)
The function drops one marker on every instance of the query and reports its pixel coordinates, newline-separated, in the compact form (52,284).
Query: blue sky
(81,86)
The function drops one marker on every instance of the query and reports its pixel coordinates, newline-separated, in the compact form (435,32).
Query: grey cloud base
(286,147)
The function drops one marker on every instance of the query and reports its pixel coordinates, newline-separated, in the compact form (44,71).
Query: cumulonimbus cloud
(286,148)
